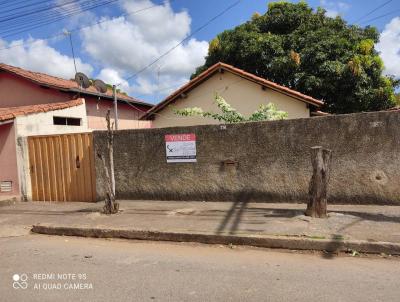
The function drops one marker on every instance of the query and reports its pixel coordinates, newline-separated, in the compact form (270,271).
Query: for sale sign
(180,148)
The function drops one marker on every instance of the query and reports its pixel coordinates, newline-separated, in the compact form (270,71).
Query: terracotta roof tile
(59,83)
(216,67)
(10,113)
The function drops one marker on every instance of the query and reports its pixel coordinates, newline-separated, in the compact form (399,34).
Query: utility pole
(115,107)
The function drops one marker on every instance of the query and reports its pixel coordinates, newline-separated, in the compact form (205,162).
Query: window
(66,121)
(6,186)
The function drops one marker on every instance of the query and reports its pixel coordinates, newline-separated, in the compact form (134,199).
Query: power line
(72,49)
(183,41)
(13,9)
(382,16)
(82,27)
(25,20)
(32,12)
(56,18)
(6,3)
(372,11)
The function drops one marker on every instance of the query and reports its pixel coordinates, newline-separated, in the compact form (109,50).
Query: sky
(114,40)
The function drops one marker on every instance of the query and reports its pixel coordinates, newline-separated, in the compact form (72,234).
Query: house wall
(273,161)
(242,94)
(42,124)
(127,118)
(8,158)
(16,91)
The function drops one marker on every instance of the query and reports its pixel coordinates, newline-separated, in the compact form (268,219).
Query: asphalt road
(78,269)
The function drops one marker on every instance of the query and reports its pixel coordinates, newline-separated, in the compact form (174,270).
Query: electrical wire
(183,41)
(61,16)
(381,16)
(32,12)
(40,16)
(6,3)
(372,11)
(82,27)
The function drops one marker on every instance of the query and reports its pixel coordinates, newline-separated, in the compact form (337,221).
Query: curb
(282,242)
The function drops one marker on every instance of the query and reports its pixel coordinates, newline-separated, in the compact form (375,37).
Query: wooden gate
(62,167)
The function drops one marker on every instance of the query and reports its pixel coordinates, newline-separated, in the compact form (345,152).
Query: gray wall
(273,161)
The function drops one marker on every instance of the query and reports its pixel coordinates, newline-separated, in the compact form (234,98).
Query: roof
(239,72)
(10,113)
(63,84)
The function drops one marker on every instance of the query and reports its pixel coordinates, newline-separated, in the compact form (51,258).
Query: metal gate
(62,167)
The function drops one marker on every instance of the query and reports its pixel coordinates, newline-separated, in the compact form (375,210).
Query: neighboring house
(243,90)
(23,121)
(19,87)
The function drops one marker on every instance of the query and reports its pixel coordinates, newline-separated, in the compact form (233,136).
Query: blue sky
(120,46)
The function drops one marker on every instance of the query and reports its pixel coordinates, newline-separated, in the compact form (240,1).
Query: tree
(230,115)
(295,46)
(111,206)
(318,189)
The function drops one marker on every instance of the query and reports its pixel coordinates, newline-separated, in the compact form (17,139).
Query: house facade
(23,121)
(242,90)
(37,104)
(19,87)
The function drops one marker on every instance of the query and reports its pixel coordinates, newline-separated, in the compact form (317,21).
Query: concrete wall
(16,91)
(242,94)
(273,161)
(8,158)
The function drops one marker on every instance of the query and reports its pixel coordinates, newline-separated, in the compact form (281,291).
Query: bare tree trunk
(318,190)
(110,207)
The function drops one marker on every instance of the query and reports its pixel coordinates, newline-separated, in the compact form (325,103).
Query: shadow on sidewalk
(290,213)
(235,214)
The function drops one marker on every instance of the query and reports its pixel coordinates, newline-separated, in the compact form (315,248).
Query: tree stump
(318,190)
(111,206)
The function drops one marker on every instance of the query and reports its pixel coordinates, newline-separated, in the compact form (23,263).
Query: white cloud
(111,76)
(74,12)
(389,47)
(124,45)
(37,55)
(334,8)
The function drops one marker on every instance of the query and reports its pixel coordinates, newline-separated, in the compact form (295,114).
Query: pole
(72,48)
(115,107)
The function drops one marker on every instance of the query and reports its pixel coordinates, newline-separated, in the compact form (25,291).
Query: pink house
(33,103)
(19,87)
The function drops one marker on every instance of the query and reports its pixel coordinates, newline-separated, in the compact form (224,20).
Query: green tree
(303,49)
(230,115)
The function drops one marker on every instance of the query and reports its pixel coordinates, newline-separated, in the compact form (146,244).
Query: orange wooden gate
(62,167)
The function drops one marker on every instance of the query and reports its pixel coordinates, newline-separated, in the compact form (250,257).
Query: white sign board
(180,148)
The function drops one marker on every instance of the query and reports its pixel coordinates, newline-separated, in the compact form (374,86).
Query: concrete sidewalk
(214,222)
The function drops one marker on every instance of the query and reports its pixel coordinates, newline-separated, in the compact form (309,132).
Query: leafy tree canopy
(326,58)
(230,115)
